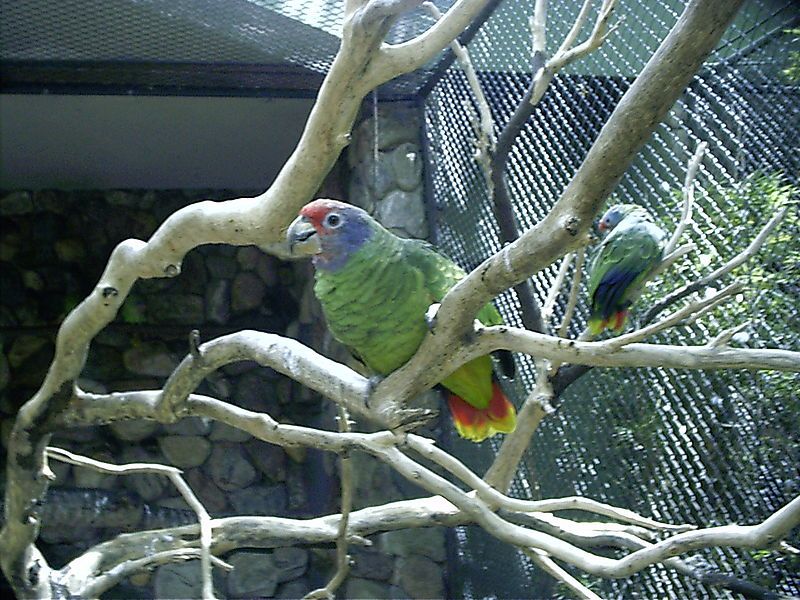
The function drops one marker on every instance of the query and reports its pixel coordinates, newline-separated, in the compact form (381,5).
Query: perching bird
(375,289)
(630,252)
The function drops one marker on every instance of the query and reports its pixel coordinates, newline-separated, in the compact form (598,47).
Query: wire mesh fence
(237,47)
(685,446)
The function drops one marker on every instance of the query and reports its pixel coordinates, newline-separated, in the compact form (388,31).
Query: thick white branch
(285,355)
(413,54)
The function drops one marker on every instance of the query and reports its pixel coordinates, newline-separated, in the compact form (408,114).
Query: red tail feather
(477,424)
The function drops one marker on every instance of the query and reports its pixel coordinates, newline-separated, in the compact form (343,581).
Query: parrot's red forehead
(315,211)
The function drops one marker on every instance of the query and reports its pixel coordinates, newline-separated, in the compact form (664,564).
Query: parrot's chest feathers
(375,305)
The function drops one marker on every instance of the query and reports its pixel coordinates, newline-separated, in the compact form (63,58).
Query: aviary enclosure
(662,462)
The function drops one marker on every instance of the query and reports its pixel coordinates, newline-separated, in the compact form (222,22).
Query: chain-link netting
(277,47)
(698,447)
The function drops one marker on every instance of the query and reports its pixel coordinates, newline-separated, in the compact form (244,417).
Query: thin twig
(568,53)
(555,289)
(549,566)
(342,557)
(174,475)
(670,259)
(577,25)
(574,291)
(729,266)
(688,311)
(688,197)
(484,128)
(724,337)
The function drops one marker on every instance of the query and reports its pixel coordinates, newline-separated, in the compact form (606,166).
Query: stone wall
(53,249)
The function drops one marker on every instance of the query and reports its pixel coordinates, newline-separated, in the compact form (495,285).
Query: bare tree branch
(342,557)
(575,289)
(549,566)
(566,226)
(688,311)
(379,10)
(552,296)
(745,255)
(174,475)
(408,56)
(688,197)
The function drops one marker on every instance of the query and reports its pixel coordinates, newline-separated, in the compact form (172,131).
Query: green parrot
(631,251)
(375,289)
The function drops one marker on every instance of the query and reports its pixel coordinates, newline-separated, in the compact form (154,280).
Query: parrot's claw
(430,316)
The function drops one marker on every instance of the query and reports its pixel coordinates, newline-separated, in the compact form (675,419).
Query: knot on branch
(572,225)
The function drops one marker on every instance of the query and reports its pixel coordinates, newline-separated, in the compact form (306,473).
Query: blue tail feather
(609,295)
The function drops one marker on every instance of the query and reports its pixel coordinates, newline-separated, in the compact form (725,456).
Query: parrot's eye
(333,220)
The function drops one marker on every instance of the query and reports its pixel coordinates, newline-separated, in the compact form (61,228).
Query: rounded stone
(150,358)
(213,498)
(407,166)
(189,426)
(253,575)
(185,451)
(425,541)
(420,577)
(70,250)
(181,580)
(266,500)
(134,430)
(366,589)
(229,468)
(248,292)
(222,432)
(290,562)
(403,211)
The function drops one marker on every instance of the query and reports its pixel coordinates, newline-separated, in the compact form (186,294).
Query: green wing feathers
(477,403)
(376,306)
(625,260)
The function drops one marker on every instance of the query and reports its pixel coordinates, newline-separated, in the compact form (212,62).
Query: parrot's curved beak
(302,237)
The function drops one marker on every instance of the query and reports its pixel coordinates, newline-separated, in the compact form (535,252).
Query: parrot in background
(631,251)
(375,289)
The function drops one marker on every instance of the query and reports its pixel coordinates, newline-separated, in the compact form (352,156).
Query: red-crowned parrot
(375,289)
(630,252)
